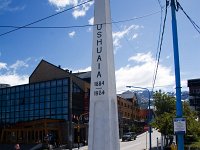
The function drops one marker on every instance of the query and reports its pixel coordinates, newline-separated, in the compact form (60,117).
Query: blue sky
(135,42)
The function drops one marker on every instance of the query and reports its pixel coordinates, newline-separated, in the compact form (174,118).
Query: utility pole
(179,108)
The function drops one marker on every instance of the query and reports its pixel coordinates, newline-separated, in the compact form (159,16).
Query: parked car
(129,136)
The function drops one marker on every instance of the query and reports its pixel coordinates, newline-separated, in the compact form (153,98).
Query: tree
(165,112)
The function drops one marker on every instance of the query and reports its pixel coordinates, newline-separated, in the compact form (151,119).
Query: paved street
(141,143)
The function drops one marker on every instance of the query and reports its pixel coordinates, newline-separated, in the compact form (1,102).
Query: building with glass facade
(29,112)
(194,93)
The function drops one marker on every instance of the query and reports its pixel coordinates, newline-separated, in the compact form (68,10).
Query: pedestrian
(17,147)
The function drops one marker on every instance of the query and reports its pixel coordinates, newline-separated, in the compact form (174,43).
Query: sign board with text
(179,125)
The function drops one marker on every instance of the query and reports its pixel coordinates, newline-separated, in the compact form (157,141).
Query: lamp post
(149,112)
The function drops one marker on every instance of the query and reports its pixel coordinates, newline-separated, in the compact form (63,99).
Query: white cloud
(81,10)
(10,74)
(14,79)
(3,65)
(77,12)
(117,36)
(63,3)
(5,5)
(135,36)
(18,64)
(142,73)
(72,34)
(83,70)
(91,21)
(141,58)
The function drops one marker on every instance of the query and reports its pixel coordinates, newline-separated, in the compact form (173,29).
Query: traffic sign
(179,125)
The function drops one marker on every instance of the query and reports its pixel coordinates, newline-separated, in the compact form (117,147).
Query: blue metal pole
(179,108)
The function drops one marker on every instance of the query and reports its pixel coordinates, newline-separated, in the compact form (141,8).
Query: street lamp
(149,112)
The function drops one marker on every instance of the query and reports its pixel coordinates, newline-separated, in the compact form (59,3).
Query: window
(65,81)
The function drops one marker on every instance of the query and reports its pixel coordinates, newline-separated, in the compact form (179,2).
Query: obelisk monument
(103,115)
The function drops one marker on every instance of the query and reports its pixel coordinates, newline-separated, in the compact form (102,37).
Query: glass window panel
(47,98)
(42,91)
(32,87)
(17,89)
(21,95)
(31,113)
(59,82)
(65,110)
(12,114)
(21,107)
(32,106)
(32,100)
(59,97)
(13,96)
(32,93)
(53,83)
(59,103)
(53,97)
(26,114)
(41,99)
(42,113)
(37,86)
(13,90)
(12,108)
(59,116)
(21,88)
(65,89)
(8,90)
(4,91)
(37,112)
(37,92)
(26,107)
(53,111)
(47,104)
(21,114)
(17,95)
(41,105)
(48,91)
(42,85)
(65,103)
(48,84)
(65,81)
(53,104)
(47,111)
(27,100)
(59,111)
(16,114)
(59,89)
(37,105)
(27,87)
(53,90)
(37,99)
(65,96)
(27,94)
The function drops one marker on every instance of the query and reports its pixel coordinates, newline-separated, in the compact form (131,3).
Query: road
(141,143)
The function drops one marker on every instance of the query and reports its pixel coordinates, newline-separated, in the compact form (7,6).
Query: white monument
(103,115)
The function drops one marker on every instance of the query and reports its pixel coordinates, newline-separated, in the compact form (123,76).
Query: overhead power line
(75,26)
(193,23)
(160,46)
(34,22)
